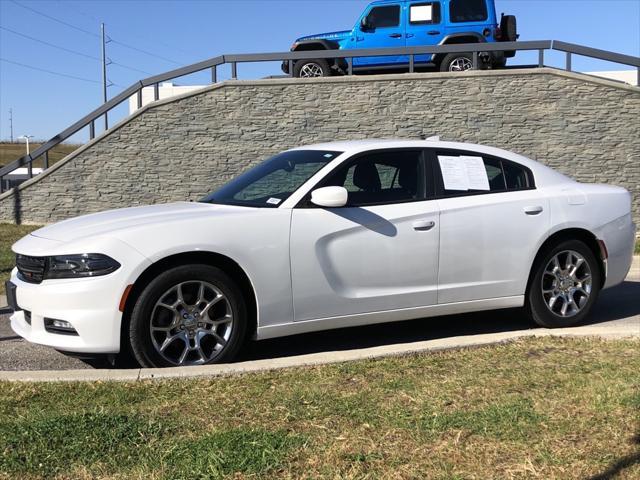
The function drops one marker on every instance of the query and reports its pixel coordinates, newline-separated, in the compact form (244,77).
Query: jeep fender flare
(460,37)
(322,44)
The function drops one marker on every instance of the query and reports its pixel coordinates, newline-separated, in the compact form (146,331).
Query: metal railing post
(106,121)
(350,65)
(568,63)
(156,92)
(291,68)
(45,160)
(638,82)
(214,74)
(411,63)
(92,130)
(475,60)
(234,70)
(30,168)
(1,184)
(139,95)
(541,58)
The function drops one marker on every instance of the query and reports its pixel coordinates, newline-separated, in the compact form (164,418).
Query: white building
(165,90)
(625,76)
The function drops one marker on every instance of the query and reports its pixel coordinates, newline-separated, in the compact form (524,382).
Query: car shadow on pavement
(618,303)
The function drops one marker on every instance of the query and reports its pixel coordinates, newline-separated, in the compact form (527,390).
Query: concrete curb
(323,358)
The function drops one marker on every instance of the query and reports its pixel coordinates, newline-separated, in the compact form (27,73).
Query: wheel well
(222,262)
(454,41)
(305,47)
(585,236)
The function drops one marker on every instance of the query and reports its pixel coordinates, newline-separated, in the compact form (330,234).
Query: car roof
(543,174)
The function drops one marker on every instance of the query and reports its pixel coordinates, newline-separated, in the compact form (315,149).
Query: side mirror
(364,24)
(331,197)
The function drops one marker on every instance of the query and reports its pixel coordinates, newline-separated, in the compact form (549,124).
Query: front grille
(30,269)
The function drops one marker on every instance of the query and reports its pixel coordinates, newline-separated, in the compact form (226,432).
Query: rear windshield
(468,11)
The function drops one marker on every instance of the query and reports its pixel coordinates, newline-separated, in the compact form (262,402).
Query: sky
(150,37)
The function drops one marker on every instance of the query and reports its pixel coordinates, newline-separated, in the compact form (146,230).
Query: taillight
(497,33)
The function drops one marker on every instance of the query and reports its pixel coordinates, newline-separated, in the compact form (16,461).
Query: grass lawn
(9,234)
(540,408)
(12,151)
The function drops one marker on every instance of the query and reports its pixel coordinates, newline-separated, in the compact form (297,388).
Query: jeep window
(382,17)
(272,181)
(424,13)
(468,11)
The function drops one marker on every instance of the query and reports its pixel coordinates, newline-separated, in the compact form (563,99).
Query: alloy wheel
(311,70)
(460,64)
(191,323)
(566,284)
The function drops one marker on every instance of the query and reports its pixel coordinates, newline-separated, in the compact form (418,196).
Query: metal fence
(89,121)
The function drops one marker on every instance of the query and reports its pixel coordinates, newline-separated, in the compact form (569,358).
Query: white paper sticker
(454,173)
(477,178)
(421,13)
(274,201)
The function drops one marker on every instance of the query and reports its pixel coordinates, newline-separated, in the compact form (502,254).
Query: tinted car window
(515,176)
(424,13)
(467,10)
(381,17)
(381,178)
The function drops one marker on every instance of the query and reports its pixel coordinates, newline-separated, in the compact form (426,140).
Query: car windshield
(273,181)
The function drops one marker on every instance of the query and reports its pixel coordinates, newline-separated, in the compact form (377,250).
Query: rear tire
(565,284)
(509,29)
(188,315)
(312,68)
(457,62)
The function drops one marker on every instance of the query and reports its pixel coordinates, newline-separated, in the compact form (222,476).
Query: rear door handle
(423,225)
(433,32)
(395,35)
(533,210)
(409,35)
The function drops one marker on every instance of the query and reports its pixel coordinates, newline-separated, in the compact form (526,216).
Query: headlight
(79,266)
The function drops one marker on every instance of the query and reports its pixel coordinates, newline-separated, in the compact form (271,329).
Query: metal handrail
(213,63)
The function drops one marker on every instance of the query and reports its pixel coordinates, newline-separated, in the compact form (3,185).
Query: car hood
(334,36)
(114,221)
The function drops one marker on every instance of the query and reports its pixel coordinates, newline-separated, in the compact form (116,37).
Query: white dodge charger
(321,237)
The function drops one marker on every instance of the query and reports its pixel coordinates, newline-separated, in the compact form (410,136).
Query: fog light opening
(60,327)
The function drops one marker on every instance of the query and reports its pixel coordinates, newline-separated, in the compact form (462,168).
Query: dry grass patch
(540,408)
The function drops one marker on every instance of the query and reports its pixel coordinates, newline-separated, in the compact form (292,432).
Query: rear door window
(468,11)
(424,13)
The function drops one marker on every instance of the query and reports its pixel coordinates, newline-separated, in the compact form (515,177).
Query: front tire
(565,285)
(312,68)
(188,315)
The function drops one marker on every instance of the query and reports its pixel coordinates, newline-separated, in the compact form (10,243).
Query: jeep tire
(312,68)
(457,62)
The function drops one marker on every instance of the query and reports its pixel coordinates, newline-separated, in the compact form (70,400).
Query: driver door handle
(433,32)
(423,225)
(395,35)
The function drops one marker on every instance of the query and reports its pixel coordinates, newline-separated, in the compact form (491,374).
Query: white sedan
(321,237)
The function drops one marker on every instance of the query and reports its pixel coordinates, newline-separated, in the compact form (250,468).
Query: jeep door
(385,29)
(424,26)
(378,253)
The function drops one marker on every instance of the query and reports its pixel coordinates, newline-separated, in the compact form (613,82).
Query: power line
(55,19)
(75,52)
(51,71)
(122,44)
(75,27)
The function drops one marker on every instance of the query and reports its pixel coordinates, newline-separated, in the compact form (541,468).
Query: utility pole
(104,75)
(26,138)
(11,123)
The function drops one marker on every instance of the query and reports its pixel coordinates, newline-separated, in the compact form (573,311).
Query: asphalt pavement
(617,309)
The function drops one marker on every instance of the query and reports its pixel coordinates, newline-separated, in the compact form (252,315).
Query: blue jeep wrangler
(399,23)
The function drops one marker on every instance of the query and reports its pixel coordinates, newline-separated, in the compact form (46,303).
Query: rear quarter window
(468,11)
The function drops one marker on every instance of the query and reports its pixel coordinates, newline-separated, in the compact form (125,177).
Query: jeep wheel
(457,62)
(311,69)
